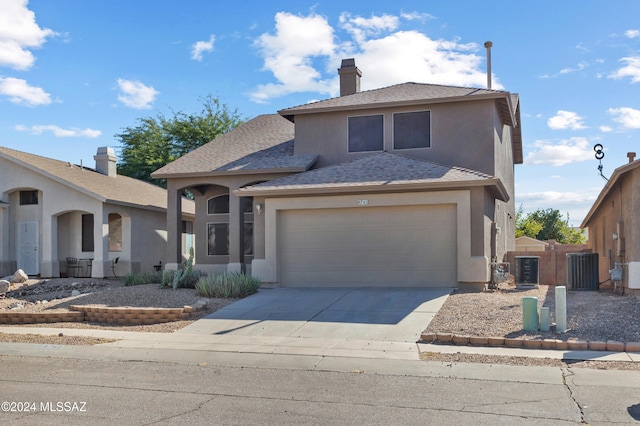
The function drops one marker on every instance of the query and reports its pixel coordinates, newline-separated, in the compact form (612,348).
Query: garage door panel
(372,246)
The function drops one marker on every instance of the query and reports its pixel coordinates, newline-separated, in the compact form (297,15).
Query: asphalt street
(50,390)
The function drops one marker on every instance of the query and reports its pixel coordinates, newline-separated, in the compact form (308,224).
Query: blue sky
(74,73)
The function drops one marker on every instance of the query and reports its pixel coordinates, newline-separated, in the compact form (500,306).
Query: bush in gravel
(229,284)
(143,278)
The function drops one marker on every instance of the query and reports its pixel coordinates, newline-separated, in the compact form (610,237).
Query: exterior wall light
(259,208)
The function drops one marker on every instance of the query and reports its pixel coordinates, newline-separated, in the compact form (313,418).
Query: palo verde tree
(156,141)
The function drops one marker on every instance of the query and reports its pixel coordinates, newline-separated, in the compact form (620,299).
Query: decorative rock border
(571,345)
(119,315)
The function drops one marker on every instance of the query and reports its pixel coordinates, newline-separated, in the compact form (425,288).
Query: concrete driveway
(387,315)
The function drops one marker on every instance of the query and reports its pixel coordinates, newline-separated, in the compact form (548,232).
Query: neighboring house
(409,185)
(51,210)
(614,225)
(525,243)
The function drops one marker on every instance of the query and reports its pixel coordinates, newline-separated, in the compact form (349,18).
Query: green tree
(553,226)
(156,141)
(526,225)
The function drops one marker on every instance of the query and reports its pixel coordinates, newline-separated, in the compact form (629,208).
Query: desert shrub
(143,278)
(229,284)
(182,278)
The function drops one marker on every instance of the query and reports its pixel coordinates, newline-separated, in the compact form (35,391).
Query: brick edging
(124,315)
(571,345)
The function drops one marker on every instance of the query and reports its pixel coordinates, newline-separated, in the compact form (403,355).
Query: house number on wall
(362,202)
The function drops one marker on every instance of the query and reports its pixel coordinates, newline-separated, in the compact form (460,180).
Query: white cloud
(579,67)
(628,117)
(19,92)
(18,33)
(304,52)
(566,120)
(59,132)
(632,69)
(565,152)
(200,47)
(360,28)
(134,94)
(606,129)
(417,16)
(632,33)
(289,52)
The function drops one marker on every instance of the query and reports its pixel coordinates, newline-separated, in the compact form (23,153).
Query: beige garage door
(406,246)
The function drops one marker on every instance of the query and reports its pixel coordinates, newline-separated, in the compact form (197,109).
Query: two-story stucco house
(51,210)
(409,185)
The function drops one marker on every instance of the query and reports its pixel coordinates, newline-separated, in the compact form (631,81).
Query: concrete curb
(553,344)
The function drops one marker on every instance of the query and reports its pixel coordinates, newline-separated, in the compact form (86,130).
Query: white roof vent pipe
(488,45)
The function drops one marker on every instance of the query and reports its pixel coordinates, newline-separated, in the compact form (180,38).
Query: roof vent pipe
(488,45)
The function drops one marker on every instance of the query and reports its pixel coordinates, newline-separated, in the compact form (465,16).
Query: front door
(28,248)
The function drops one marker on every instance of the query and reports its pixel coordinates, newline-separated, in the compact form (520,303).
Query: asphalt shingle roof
(119,189)
(399,93)
(261,144)
(382,170)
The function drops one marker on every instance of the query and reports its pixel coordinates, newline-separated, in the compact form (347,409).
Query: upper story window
(217,205)
(28,197)
(412,130)
(366,133)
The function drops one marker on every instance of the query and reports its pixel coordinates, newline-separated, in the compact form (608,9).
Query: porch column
(5,260)
(101,265)
(174,227)
(49,267)
(236,256)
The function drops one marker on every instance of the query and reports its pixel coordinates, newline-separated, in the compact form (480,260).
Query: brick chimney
(106,161)
(349,77)
(631,156)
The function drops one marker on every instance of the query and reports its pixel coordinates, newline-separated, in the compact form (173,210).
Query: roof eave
(290,113)
(617,173)
(283,170)
(498,187)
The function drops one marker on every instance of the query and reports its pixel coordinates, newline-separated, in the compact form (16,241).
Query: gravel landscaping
(591,315)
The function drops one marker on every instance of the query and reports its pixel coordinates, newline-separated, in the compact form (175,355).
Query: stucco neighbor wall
(617,214)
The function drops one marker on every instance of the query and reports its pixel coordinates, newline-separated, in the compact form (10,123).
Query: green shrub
(143,278)
(229,284)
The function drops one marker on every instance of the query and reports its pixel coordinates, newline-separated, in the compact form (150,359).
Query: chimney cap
(488,44)
(348,63)
(631,156)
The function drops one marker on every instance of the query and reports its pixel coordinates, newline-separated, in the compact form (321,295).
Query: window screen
(366,133)
(412,130)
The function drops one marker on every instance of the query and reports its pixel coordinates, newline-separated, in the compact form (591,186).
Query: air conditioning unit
(634,275)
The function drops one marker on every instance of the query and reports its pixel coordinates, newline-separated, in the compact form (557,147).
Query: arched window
(218,205)
(115,232)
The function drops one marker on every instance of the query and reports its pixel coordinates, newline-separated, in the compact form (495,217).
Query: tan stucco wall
(462,133)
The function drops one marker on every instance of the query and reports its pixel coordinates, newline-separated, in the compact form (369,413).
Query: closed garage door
(404,246)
